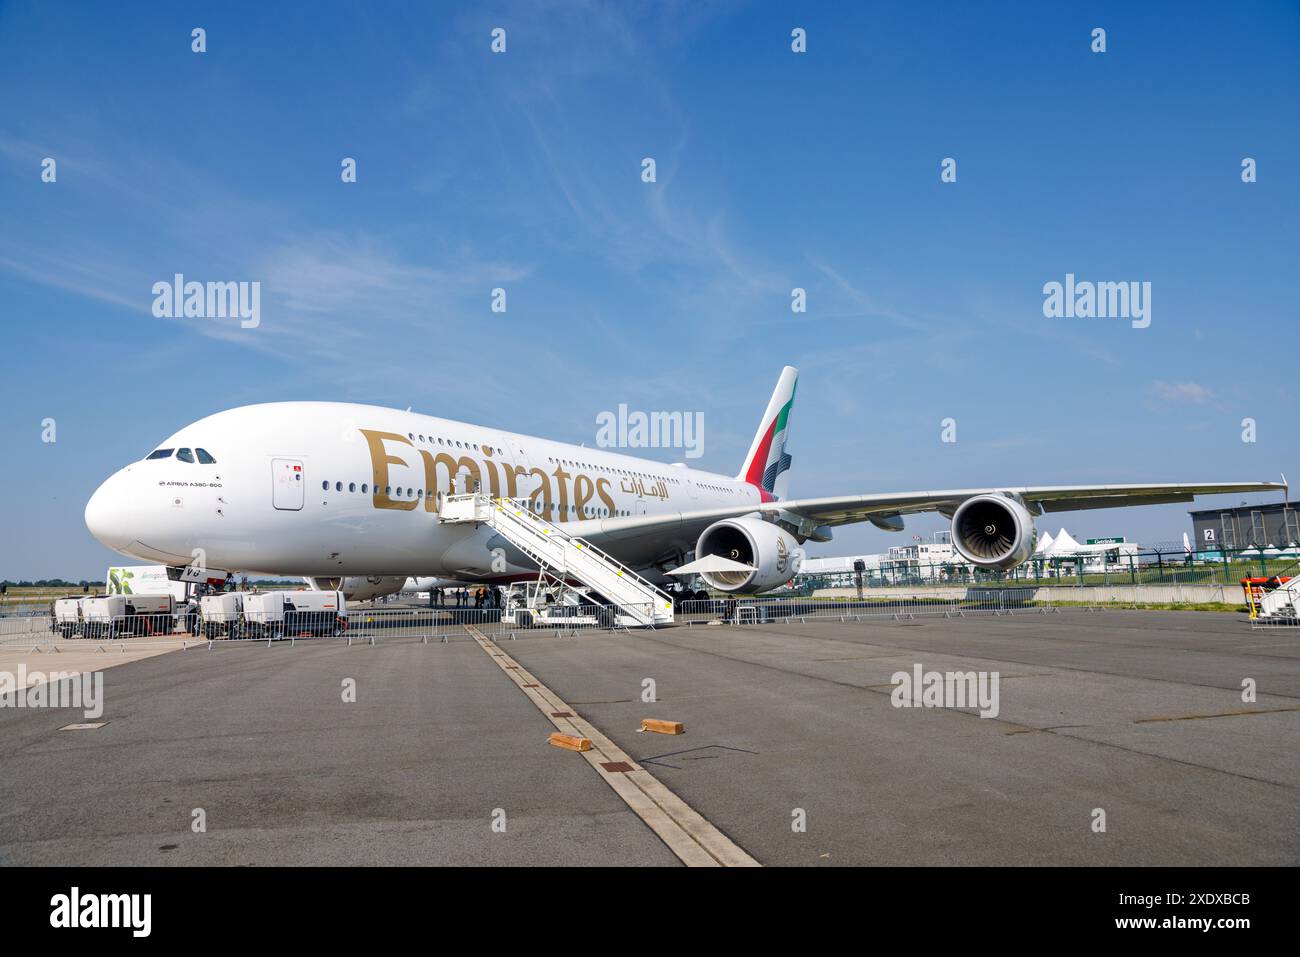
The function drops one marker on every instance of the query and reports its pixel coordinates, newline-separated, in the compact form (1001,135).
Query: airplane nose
(108,513)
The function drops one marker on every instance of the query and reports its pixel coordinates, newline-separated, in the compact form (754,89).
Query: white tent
(1064,544)
(1044,543)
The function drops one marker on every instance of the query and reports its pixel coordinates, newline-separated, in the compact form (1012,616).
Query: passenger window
(325,486)
(364,488)
(159,454)
(204,457)
(352,486)
(185,455)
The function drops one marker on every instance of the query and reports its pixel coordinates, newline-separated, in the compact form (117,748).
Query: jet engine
(993,531)
(359,589)
(774,555)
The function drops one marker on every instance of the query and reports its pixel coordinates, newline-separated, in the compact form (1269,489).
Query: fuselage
(324,488)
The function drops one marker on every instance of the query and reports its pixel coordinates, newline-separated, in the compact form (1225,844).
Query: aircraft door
(287,492)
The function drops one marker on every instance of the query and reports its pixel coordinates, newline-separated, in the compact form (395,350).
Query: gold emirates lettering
(442,464)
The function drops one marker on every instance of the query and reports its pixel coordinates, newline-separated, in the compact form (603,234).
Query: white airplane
(335,490)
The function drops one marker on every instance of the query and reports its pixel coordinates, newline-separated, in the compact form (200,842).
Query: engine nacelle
(773,554)
(359,589)
(993,531)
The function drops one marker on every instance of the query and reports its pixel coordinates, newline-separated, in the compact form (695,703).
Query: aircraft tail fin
(767,467)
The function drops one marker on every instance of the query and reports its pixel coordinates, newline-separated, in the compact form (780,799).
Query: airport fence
(764,609)
(372,624)
(1163,565)
(362,624)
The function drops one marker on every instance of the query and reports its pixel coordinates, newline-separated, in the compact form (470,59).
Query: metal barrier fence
(758,610)
(371,624)
(1147,567)
(362,624)
(1274,621)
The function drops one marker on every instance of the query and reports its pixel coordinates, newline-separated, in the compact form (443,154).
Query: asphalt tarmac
(1121,737)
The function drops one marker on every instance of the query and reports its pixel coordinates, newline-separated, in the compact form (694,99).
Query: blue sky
(775,170)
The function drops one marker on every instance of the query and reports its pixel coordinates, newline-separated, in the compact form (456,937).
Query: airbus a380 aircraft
(331,490)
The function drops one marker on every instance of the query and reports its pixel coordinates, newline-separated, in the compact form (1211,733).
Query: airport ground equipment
(283,614)
(1273,599)
(143,580)
(65,616)
(119,616)
(222,615)
(550,602)
(561,557)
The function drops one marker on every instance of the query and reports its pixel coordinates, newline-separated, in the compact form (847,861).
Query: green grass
(32,595)
(1216,606)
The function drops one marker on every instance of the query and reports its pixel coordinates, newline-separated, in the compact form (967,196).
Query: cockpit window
(159,454)
(205,458)
(185,455)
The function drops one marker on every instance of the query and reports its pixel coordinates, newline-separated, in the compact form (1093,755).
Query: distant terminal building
(1247,526)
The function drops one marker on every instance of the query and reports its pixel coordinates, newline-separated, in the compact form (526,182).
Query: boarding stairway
(1282,602)
(565,556)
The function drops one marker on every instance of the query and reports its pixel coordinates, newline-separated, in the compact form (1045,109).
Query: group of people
(482,597)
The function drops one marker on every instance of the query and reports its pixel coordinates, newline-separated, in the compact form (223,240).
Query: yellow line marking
(686,833)
(1221,714)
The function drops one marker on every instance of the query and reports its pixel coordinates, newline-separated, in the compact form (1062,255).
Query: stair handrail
(502,502)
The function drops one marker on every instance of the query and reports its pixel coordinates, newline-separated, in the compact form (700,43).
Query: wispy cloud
(360,279)
(1181,392)
(860,303)
(78,278)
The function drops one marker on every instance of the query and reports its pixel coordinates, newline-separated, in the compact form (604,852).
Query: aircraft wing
(682,528)
(1042,498)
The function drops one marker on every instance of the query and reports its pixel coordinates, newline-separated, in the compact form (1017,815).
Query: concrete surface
(782,717)
(1110,710)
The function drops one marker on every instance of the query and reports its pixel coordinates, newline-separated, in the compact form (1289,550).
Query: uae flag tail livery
(767,466)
